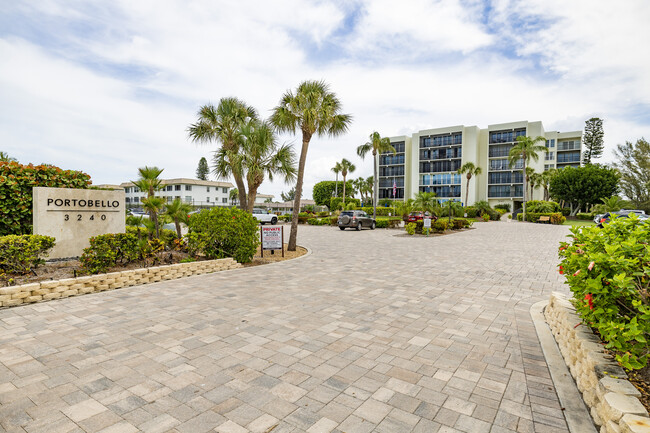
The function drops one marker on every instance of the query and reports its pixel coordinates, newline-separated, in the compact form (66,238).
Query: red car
(418,216)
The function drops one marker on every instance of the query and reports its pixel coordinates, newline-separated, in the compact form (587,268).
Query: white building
(200,193)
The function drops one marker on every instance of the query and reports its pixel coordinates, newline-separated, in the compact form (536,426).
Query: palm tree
(135,221)
(404,208)
(469,169)
(223,124)
(346,167)
(313,109)
(376,145)
(612,203)
(535,182)
(336,169)
(526,149)
(148,180)
(178,211)
(545,182)
(4,157)
(234,194)
(427,202)
(154,205)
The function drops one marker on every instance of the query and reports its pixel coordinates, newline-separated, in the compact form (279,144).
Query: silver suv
(355,219)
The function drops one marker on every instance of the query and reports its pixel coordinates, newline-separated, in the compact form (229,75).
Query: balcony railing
(568,146)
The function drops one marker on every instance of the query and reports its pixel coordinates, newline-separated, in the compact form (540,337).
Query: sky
(106,87)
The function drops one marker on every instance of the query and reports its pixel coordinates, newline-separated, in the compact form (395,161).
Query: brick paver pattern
(372,332)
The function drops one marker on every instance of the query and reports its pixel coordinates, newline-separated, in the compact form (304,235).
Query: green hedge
(381,211)
(608,272)
(223,232)
(503,206)
(542,206)
(556,217)
(19,254)
(108,250)
(318,221)
(16,182)
(337,202)
(584,216)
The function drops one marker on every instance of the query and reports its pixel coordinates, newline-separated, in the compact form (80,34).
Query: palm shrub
(608,272)
(219,233)
(178,212)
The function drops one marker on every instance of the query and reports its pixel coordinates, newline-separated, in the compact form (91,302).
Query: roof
(186,181)
(287,204)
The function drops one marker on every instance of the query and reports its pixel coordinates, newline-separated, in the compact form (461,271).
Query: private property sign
(272,238)
(73,216)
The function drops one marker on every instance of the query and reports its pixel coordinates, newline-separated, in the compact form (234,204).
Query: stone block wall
(611,398)
(48,290)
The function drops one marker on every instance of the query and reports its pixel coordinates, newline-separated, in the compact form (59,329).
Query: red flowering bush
(608,271)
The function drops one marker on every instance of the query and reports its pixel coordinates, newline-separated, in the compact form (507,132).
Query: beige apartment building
(428,161)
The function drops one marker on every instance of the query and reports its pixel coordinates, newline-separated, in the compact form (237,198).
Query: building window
(177,188)
(169,188)
(208,188)
(207,199)
(224,190)
(169,199)
(136,189)
(549,156)
(188,198)
(128,200)
(178,197)
(224,200)
(188,187)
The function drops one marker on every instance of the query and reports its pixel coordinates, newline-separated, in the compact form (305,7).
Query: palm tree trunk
(343,192)
(241,191)
(524,190)
(467,192)
(178,227)
(375,186)
(336,186)
(296,201)
(252,193)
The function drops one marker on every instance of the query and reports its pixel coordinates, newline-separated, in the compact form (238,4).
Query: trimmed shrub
(110,250)
(388,222)
(385,202)
(584,216)
(19,254)
(566,211)
(285,217)
(439,226)
(556,217)
(337,202)
(318,221)
(541,206)
(503,206)
(381,211)
(16,182)
(471,212)
(221,232)
(410,228)
(460,223)
(607,271)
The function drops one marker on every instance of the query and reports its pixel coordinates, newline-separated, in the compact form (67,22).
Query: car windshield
(348,213)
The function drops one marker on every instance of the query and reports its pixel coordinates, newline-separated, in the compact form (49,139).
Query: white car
(263,217)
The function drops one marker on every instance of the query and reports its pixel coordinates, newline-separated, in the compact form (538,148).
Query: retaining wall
(611,398)
(55,289)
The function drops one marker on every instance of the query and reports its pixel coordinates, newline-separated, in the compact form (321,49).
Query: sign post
(272,239)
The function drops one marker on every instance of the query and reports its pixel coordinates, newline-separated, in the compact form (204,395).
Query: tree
(427,202)
(592,140)
(545,181)
(525,149)
(337,169)
(202,170)
(234,193)
(613,203)
(469,169)
(634,165)
(312,109)
(324,191)
(376,145)
(346,167)
(178,211)
(290,195)
(153,205)
(150,182)
(582,187)
(4,157)
(257,158)
(535,182)
(223,124)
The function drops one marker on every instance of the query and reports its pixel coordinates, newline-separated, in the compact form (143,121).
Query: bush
(337,202)
(584,216)
(486,217)
(323,214)
(460,223)
(16,182)
(470,211)
(381,211)
(109,250)
(388,222)
(566,211)
(501,211)
(19,254)
(503,206)
(439,226)
(318,221)
(285,217)
(410,228)
(541,206)
(556,217)
(385,202)
(607,271)
(168,237)
(222,232)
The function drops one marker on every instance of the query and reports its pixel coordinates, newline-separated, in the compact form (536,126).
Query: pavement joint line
(576,414)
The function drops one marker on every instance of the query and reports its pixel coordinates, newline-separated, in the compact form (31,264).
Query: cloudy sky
(110,86)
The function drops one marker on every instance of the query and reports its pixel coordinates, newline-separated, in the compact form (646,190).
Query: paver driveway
(371,332)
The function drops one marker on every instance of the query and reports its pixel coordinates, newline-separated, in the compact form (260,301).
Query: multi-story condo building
(428,161)
(201,193)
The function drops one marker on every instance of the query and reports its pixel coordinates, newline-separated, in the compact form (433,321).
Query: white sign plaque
(427,223)
(272,238)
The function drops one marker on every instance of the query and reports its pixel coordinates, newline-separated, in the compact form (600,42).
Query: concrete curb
(575,412)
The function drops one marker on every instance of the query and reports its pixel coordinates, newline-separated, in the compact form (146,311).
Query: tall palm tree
(259,157)
(377,145)
(312,109)
(148,180)
(223,124)
(346,167)
(178,211)
(545,182)
(469,169)
(526,149)
(337,169)
(535,182)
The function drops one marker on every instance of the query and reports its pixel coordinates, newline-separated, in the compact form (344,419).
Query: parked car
(624,213)
(419,216)
(264,217)
(355,219)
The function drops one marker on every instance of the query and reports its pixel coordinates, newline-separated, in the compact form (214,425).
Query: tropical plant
(346,167)
(202,170)
(377,145)
(258,157)
(137,222)
(470,170)
(482,207)
(545,181)
(613,203)
(178,211)
(223,124)
(535,182)
(337,169)
(289,196)
(148,180)
(312,109)
(4,157)
(404,208)
(526,149)
(427,202)
(154,205)
(234,194)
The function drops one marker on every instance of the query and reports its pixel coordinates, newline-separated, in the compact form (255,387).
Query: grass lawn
(579,223)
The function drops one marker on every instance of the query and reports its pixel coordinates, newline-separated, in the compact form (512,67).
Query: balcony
(570,145)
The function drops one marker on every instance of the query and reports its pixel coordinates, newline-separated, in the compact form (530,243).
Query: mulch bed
(641,380)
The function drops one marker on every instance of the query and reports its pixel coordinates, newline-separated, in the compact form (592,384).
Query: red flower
(234,217)
(590,300)
(561,270)
(562,248)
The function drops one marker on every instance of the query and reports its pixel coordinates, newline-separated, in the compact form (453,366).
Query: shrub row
(19,254)
(542,206)
(556,217)
(608,272)
(438,226)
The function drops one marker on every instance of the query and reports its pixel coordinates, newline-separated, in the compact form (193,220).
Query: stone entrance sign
(73,216)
